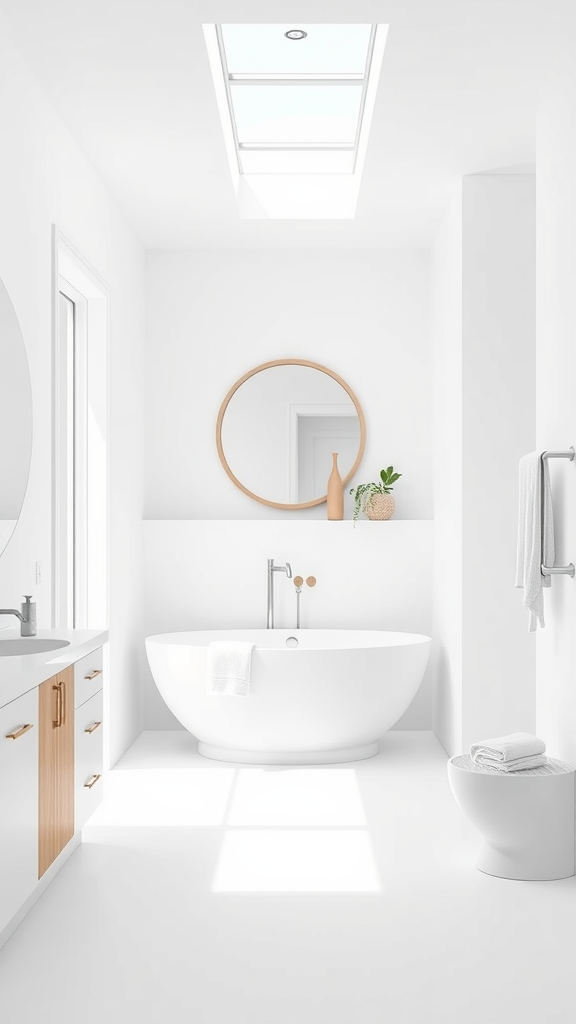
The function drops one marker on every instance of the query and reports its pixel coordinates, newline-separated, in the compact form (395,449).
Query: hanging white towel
(229,667)
(510,753)
(529,555)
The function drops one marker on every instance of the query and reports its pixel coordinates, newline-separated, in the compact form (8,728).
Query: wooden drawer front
(88,745)
(55,767)
(88,677)
(18,803)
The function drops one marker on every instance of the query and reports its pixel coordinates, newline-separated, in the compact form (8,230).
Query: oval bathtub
(325,701)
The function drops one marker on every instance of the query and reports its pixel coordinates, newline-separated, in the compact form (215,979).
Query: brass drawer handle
(96,672)
(59,720)
(92,728)
(91,782)
(19,732)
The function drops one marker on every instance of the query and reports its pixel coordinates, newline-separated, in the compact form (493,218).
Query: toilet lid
(552,767)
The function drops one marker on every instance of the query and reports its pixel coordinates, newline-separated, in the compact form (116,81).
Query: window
(80,531)
(296,104)
(296,101)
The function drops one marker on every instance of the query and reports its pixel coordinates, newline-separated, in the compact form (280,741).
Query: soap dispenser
(28,622)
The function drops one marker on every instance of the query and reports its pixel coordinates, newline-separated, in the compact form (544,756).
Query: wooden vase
(335,494)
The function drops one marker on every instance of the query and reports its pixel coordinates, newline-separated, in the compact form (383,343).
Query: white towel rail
(551,570)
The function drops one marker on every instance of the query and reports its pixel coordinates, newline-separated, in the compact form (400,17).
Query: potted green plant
(375,499)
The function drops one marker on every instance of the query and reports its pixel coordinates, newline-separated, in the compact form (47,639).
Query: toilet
(526,817)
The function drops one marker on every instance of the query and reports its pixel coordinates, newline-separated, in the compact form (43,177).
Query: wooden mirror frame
(267,366)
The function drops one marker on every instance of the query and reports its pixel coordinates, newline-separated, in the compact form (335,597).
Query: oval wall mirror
(278,426)
(15,419)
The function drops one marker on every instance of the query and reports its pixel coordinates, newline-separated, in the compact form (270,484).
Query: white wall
(210,574)
(498,427)
(45,179)
(556,384)
(447,384)
(485,386)
(213,315)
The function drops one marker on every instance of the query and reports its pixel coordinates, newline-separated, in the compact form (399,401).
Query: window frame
(81,577)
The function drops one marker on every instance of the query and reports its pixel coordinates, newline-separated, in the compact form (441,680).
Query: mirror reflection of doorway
(318,432)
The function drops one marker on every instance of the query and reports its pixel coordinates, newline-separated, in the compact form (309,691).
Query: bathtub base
(287,756)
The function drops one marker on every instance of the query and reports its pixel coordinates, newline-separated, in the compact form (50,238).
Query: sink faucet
(27,616)
(270,604)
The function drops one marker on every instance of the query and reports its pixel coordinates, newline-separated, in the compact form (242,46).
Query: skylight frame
(295,79)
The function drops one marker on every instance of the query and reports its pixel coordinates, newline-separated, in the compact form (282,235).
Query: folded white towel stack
(529,556)
(510,753)
(229,667)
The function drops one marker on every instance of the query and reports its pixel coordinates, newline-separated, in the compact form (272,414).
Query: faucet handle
(28,616)
(289,570)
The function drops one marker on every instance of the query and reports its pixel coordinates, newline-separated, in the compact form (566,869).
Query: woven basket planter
(380,506)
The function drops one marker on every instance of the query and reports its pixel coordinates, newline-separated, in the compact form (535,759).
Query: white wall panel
(556,384)
(213,315)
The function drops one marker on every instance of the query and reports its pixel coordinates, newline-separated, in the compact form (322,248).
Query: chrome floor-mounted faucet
(270,602)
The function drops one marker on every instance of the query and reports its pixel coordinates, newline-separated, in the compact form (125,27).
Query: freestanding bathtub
(317,696)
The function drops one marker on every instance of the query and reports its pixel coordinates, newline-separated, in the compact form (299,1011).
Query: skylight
(296,100)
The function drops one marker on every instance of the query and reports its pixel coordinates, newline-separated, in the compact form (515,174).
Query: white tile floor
(210,894)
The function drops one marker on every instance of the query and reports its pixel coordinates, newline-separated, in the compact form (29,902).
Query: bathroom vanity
(51,760)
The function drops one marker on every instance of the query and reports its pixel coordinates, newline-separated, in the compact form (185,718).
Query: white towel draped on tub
(529,556)
(229,665)
(510,753)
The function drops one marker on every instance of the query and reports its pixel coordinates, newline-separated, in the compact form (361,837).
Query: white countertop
(19,673)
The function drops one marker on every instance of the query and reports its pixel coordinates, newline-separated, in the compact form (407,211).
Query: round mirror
(15,419)
(278,427)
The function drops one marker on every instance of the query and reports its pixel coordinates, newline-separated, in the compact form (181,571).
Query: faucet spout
(12,611)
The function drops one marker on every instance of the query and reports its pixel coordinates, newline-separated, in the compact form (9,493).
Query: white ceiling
(132,82)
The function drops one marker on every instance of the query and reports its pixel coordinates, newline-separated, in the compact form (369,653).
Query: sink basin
(29,645)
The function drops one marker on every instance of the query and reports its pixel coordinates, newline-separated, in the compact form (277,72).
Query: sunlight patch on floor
(290,830)
(307,797)
(169,797)
(287,860)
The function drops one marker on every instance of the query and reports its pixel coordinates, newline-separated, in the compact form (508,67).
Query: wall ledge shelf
(295,521)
